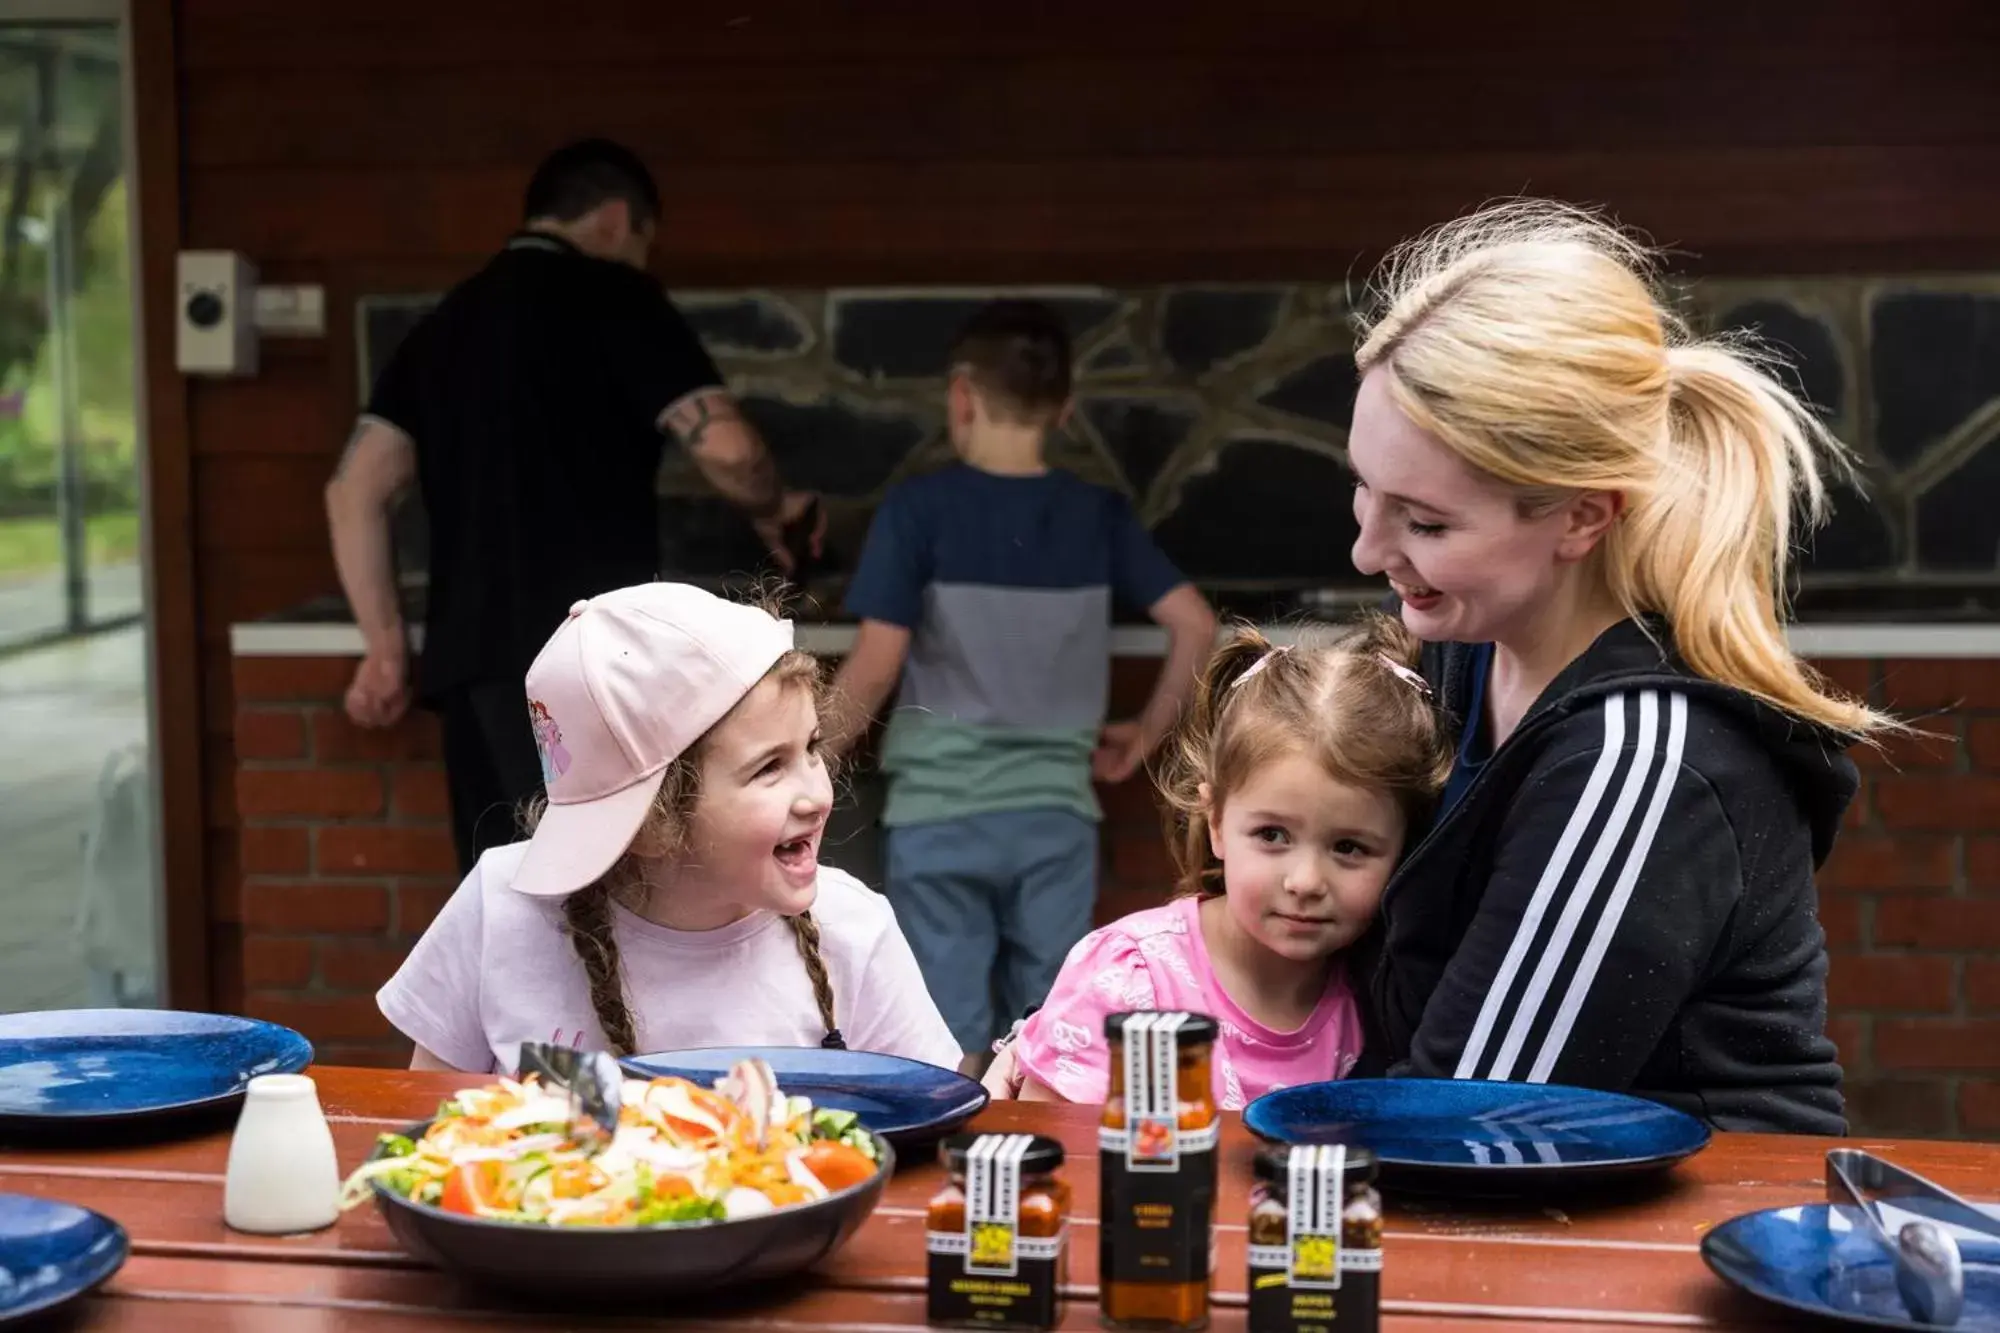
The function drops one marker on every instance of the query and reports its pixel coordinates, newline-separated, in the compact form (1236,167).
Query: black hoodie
(1623,898)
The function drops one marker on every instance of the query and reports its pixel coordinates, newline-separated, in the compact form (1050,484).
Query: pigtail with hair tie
(1405,674)
(1260,664)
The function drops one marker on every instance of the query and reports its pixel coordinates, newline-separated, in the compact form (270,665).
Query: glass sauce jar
(1315,1241)
(1157,1151)
(997,1234)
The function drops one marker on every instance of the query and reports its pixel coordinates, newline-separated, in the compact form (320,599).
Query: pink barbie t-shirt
(1156,959)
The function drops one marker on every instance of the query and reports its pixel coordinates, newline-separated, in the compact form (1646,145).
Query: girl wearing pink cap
(671,894)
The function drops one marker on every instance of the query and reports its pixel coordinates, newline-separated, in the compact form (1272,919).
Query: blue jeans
(991,905)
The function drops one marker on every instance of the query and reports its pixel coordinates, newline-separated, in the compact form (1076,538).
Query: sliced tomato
(837,1166)
(473,1189)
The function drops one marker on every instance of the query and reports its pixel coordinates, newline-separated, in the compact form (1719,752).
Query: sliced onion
(801,1174)
(671,1101)
(508,1152)
(537,1110)
(754,1087)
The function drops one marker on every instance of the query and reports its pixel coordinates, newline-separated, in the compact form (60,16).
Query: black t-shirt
(534,393)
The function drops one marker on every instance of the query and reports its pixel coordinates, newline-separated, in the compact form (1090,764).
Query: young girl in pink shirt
(1296,779)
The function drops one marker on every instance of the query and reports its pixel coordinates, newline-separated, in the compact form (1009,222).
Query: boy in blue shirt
(987,587)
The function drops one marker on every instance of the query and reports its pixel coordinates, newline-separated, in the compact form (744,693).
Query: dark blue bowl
(51,1253)
(630,1263)
(1819,1259)
(104,1066)
(907,1102)
(1435,1130)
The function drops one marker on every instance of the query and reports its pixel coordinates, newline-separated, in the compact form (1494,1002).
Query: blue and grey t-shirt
(1007,585)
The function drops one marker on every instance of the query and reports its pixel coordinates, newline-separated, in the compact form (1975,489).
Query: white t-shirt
(497,968)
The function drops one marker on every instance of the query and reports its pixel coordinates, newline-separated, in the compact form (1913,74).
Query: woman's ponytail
(1708,545)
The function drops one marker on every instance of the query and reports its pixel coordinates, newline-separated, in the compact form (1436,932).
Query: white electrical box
(216,327)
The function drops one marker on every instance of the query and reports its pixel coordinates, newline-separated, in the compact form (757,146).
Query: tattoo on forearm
(750,482)
(691,419)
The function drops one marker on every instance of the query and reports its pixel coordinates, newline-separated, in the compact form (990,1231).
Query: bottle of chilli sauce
(1157,1148)
(997,1234)
(1315,1241)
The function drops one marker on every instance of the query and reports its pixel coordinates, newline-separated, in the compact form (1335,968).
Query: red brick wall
(1911,904)
(345,856)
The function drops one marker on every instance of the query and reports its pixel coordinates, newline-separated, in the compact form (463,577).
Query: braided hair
(587,918)
(806,931)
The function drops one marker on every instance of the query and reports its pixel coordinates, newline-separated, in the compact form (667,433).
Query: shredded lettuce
(406,1174)
(678,1208)
(832,1124)
(405,1182)
(844,1127)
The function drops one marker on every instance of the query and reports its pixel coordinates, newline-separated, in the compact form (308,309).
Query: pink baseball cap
(625,686)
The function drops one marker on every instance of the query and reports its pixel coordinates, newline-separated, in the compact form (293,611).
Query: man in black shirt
(528,409)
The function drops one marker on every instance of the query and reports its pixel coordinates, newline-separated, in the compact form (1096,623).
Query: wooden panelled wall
(377,145)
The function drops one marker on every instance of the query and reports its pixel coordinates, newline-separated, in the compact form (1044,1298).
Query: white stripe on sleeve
(1545,888)
(1578,899)
(1621,894)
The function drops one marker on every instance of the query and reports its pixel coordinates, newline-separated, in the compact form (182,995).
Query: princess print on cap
(548,742)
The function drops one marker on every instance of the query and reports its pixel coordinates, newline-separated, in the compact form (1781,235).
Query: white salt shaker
(282,1174)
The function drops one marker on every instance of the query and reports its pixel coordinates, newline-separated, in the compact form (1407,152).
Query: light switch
(292,312)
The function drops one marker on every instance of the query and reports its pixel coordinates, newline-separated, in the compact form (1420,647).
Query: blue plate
(51,1253)
(1467,1129)
(905,1101)
(1819,1258)
(99,1066)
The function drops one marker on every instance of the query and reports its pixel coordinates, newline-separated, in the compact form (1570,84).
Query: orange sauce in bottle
(1157,1148)
(1005,1267)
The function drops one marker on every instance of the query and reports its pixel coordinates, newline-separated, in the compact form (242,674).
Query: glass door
(79,897)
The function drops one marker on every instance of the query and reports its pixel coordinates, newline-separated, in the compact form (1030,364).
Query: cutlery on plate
(1930,1276)
(594,1082)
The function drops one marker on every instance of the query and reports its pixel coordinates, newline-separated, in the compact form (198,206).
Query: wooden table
(1609,1263)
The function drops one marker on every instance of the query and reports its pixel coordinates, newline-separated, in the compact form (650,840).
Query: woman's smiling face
(1469,566)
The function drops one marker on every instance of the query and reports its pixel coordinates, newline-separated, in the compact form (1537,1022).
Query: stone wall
(1210,403)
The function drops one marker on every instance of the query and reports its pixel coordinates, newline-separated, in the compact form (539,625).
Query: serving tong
(594,1082)
(1930,1276)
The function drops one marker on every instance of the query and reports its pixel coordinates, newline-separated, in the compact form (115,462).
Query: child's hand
(1003,1076)
(1121,748)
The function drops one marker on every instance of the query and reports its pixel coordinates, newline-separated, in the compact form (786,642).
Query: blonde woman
(1586,514)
